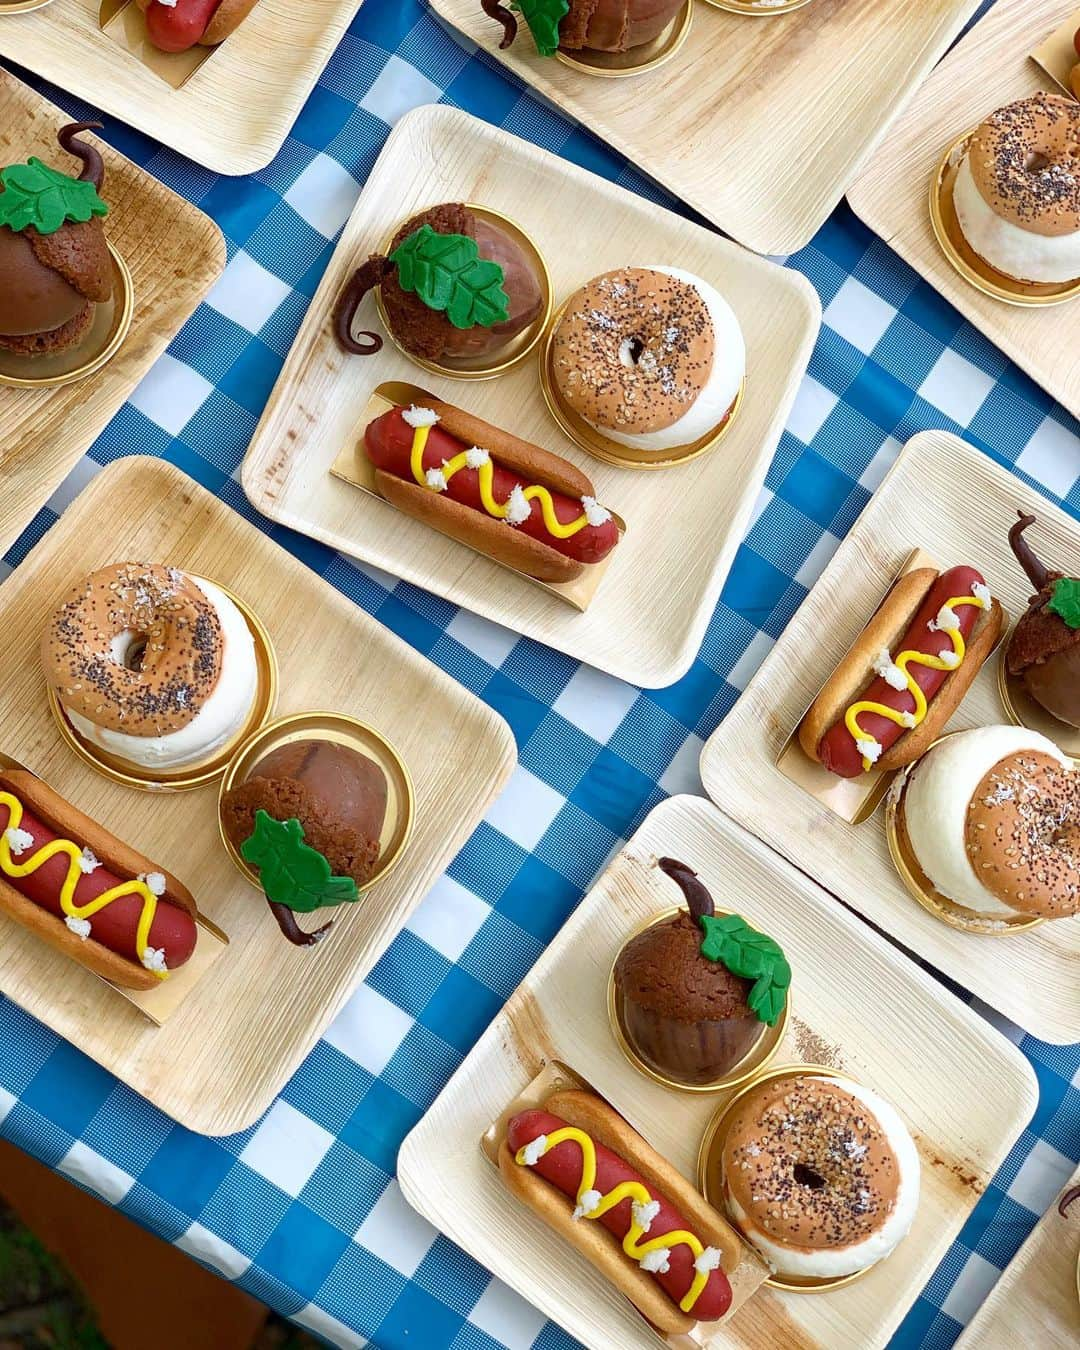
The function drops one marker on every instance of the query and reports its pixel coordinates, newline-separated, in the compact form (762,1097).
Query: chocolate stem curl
(698,900)
(286,921)
(1066,1200)
(494,10)
(93,165)
(1038,575)
(364,279)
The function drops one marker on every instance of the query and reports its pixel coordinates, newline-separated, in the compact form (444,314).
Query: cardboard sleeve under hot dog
(109,948)
(909,620)
(184,24)
(673,1210)
(457,508)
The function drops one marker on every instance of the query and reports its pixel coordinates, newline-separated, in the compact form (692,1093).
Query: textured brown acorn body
(615,25)
(1044,652)
(49,284)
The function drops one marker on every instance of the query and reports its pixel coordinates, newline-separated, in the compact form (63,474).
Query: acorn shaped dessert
(309,816)
(589,25)
(55,265)
(1044,650)
(454,287)
(694,993)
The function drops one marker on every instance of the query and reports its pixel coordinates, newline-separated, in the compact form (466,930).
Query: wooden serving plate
(945,497)
(683,524)
(174,253)
(1037,1300)
(232,115)
(992,66)
(757,123)
(858,1005)
(229,1048)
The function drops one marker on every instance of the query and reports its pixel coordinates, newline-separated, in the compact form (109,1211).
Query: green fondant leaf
(750,955)
(446,272)
(36,195)
(293,873)
(1065,601)
(543,18)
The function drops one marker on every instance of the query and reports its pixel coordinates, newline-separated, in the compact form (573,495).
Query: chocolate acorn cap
(53,271)
(453,285)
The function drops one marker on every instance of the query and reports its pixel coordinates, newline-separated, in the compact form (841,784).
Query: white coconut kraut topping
(595,514)
(154,959)
(982,592)
(947,621)
(643,1215)
(155,882)
(88,861)
(80,927)
(869,749)
(534,1151)
(657,1262)
(518,509)
(18,841)
(587,1205)
(475,457)
(419,417)
(708,1260)
(436,479)
(891,673)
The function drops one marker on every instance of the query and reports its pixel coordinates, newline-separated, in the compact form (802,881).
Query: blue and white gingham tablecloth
(303,1210)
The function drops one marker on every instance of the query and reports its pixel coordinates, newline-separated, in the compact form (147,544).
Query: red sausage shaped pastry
(593,1179)
(178,25)
(519,504)
(892,694)
(75,885)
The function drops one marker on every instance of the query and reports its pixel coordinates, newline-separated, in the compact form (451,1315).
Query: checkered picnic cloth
(302,1210)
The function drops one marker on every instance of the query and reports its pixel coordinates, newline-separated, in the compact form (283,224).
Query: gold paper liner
(200,774)
(710,1180)
(922,889)
(603,447)
(962,256)
(758,9)
(341,730)
(1022,710)
(760,1054)
(516,351)
(110,326)
(639,60)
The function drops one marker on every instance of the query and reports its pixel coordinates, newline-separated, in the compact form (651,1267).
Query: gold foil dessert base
(964,258)
(518,348)
(760,1054)
(203,772)
(760,9)
(921,887)
(603,447)
(1022,710)
(109,328)
(340,730)
(638,60)
(710,1178)
(125,24)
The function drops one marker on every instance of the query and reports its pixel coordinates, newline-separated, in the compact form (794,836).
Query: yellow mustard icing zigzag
(16,870)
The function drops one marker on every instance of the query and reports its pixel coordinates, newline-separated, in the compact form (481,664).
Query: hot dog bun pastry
(519,504)
(59,870)
(890,697)
(566,1161)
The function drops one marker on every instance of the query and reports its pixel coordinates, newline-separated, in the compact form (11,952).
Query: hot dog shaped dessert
(892,694)
(92,897)
(178,25)
(519,504)
(593,1179)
